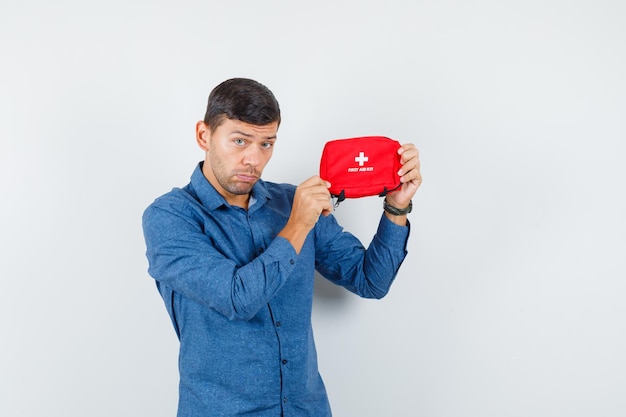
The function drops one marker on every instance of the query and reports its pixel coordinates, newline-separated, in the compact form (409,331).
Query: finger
(327,207)
(410,169)
(416,179)
(409,154)
(317,195)
(407,147)
(315,180)
(412,175)
(313,186)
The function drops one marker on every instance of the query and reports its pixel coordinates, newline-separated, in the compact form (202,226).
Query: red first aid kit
(360,167)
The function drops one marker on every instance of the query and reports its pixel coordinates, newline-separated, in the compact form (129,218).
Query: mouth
(245,177)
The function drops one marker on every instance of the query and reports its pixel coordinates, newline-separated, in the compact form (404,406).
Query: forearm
(400,220)
(204,275)
(384,255)
(365,272)
(295,234)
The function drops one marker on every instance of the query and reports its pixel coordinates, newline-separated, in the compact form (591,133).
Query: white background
(511,300)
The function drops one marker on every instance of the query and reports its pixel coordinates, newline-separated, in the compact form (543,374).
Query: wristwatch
(396,211)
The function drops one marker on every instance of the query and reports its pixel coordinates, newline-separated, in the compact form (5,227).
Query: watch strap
(395,210)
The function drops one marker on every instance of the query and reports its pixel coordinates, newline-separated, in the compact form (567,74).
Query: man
(234,256)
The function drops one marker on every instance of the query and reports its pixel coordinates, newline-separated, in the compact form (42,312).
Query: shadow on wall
(328,295)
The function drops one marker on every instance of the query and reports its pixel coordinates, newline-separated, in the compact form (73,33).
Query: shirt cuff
(282,250)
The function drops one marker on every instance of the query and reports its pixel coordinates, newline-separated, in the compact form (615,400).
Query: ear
(203,133)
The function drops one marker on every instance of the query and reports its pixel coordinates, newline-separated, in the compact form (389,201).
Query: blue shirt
(240,297)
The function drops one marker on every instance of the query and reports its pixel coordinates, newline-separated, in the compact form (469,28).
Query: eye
(239,142)
(267,145)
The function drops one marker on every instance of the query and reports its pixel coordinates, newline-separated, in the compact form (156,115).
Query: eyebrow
(248,135)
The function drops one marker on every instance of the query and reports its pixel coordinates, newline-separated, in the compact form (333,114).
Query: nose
(252,156)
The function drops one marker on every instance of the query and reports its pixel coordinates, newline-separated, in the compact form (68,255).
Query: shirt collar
(212,199)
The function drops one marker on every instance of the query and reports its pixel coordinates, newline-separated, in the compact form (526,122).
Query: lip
(246,177)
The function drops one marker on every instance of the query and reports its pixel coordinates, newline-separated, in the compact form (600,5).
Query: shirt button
(291,261)
(284,400)
(284,361)
(277,324)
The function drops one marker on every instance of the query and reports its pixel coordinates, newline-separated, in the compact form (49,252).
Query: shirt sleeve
(369,273)
(183,258)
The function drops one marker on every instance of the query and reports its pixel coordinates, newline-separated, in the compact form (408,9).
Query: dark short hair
(241,99)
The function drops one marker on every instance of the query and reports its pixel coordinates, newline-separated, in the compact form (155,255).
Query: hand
(311,200)
(410,177)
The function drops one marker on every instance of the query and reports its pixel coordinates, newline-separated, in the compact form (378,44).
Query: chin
(241,190)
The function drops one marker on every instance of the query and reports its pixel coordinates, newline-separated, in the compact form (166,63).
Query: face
(236,154)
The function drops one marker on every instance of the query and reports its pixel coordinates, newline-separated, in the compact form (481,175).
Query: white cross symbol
(361,159)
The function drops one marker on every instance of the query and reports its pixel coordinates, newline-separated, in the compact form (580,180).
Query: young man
(234,256)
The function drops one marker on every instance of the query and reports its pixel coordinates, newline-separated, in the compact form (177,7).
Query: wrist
(296,234)
(397,211)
